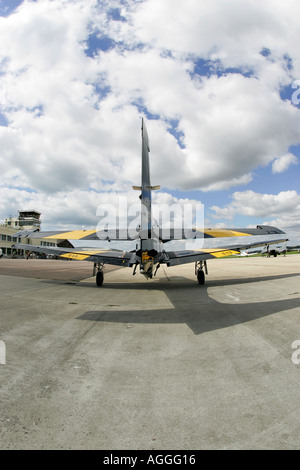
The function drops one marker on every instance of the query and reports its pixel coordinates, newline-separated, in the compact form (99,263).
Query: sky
(217,82)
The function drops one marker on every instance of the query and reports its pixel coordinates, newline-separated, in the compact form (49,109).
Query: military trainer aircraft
(266,250)
(150,251)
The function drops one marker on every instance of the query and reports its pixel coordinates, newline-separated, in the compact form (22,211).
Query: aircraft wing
(105,234)
(168,234)
(174,258)
(118,258)
(164,234)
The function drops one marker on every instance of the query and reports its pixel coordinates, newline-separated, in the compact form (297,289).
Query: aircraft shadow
(177,282)
(204,314)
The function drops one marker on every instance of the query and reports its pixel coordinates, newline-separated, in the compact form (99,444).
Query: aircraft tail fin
(146,186)
(145,158)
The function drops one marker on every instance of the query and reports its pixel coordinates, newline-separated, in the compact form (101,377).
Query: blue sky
(8,6)
(214,81)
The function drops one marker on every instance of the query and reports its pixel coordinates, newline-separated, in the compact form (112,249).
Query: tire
(201,277)
(99,278)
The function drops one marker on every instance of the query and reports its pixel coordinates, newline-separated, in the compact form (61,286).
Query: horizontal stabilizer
(152,188)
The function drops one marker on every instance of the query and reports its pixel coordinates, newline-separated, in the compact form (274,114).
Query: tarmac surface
(161,364)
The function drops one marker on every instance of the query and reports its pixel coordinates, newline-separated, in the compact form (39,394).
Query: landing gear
(98,272)
(99,278)
(200,266)
(200,276)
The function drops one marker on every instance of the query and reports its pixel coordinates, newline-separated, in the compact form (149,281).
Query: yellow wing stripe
(79,234)
(218,253)
(75,256)
(81,256)
(73,235)
(218,232)
(221,254)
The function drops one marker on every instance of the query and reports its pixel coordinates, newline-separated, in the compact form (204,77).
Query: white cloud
(73,120)
(284,208)
(233,32)
(282,163)
(76,209)
(231,124)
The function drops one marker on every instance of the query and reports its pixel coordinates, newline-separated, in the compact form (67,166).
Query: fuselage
(150,247)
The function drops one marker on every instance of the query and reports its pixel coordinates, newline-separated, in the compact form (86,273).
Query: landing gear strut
(99,274)
(199,266)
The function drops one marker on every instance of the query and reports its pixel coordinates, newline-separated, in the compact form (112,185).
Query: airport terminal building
(29,219)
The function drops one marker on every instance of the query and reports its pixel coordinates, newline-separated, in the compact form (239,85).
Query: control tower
(27,220)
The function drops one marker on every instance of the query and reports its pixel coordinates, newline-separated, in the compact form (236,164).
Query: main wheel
(99,278)
(201,276)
